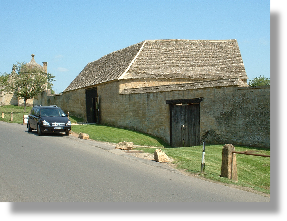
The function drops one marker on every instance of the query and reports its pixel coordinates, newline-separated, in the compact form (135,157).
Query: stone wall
(240,116)
(143,112)
(73,102)
(8,99)
(12,99)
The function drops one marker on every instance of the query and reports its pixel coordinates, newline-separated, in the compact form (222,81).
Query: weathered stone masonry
(240,116)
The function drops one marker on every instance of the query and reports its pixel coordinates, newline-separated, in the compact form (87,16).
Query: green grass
(116,135)
(18,112)
(75,119)
(253,171)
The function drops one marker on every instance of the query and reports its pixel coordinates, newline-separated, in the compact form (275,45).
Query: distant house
(183,91)
(11,98)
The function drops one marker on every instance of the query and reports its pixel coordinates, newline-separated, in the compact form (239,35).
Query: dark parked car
(48,119)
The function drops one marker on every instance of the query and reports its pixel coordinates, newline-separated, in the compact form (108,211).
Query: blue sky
(70,34)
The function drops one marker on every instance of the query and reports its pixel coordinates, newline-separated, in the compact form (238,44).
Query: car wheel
(29,128)
(67,133)
(39,130)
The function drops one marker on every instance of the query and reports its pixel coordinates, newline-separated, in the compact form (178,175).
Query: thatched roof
(192,60)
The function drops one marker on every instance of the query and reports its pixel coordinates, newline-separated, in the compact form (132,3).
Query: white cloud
(59,56)
(60,69)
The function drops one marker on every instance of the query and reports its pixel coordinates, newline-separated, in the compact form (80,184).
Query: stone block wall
(240,116)
(8,99)
(147,113)
(73,102)
(12,99)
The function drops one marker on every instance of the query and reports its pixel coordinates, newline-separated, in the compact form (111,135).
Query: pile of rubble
(158,156)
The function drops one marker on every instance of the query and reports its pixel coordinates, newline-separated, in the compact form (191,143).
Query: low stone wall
(240,116)
(73,102)
(12,99)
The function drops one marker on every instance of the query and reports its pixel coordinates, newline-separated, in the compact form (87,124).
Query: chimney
(33,59)
(45,66)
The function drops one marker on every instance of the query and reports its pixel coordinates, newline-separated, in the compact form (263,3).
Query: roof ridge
(165,58)
(122,76)
(178,39)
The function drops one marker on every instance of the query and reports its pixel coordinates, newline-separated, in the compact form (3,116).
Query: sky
(70,34)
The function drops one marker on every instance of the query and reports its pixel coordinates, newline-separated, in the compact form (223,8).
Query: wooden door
(185,125)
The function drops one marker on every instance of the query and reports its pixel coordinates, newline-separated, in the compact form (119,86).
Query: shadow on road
(56,134)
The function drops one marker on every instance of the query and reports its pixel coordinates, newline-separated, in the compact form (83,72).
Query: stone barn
(183,91)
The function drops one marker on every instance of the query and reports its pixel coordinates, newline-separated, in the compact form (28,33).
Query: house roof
(192,60)
(33,63)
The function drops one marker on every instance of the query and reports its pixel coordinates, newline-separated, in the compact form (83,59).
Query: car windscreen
(52,112)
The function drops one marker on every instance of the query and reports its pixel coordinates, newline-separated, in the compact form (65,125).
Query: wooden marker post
(203,159)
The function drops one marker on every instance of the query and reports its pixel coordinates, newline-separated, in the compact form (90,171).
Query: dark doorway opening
(92,106)
(184,122)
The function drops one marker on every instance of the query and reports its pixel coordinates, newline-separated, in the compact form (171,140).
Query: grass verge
(253,171)
(18,112)
(116,135)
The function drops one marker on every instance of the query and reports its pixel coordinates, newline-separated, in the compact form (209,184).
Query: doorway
(92,106)
(184,122)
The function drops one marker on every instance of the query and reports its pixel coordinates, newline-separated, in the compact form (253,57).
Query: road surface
(56,168)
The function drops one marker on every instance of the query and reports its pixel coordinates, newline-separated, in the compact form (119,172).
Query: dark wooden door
(185,125)
(91,104)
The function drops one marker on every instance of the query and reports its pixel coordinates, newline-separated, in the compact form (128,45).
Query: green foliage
(259,81)
(3,81)
(26,82)
(50,79)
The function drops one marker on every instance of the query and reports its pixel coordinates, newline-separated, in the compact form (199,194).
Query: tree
(26,82)
(3,81)
(259,81)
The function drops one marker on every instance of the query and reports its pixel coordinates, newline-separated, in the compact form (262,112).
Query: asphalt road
(56,168)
